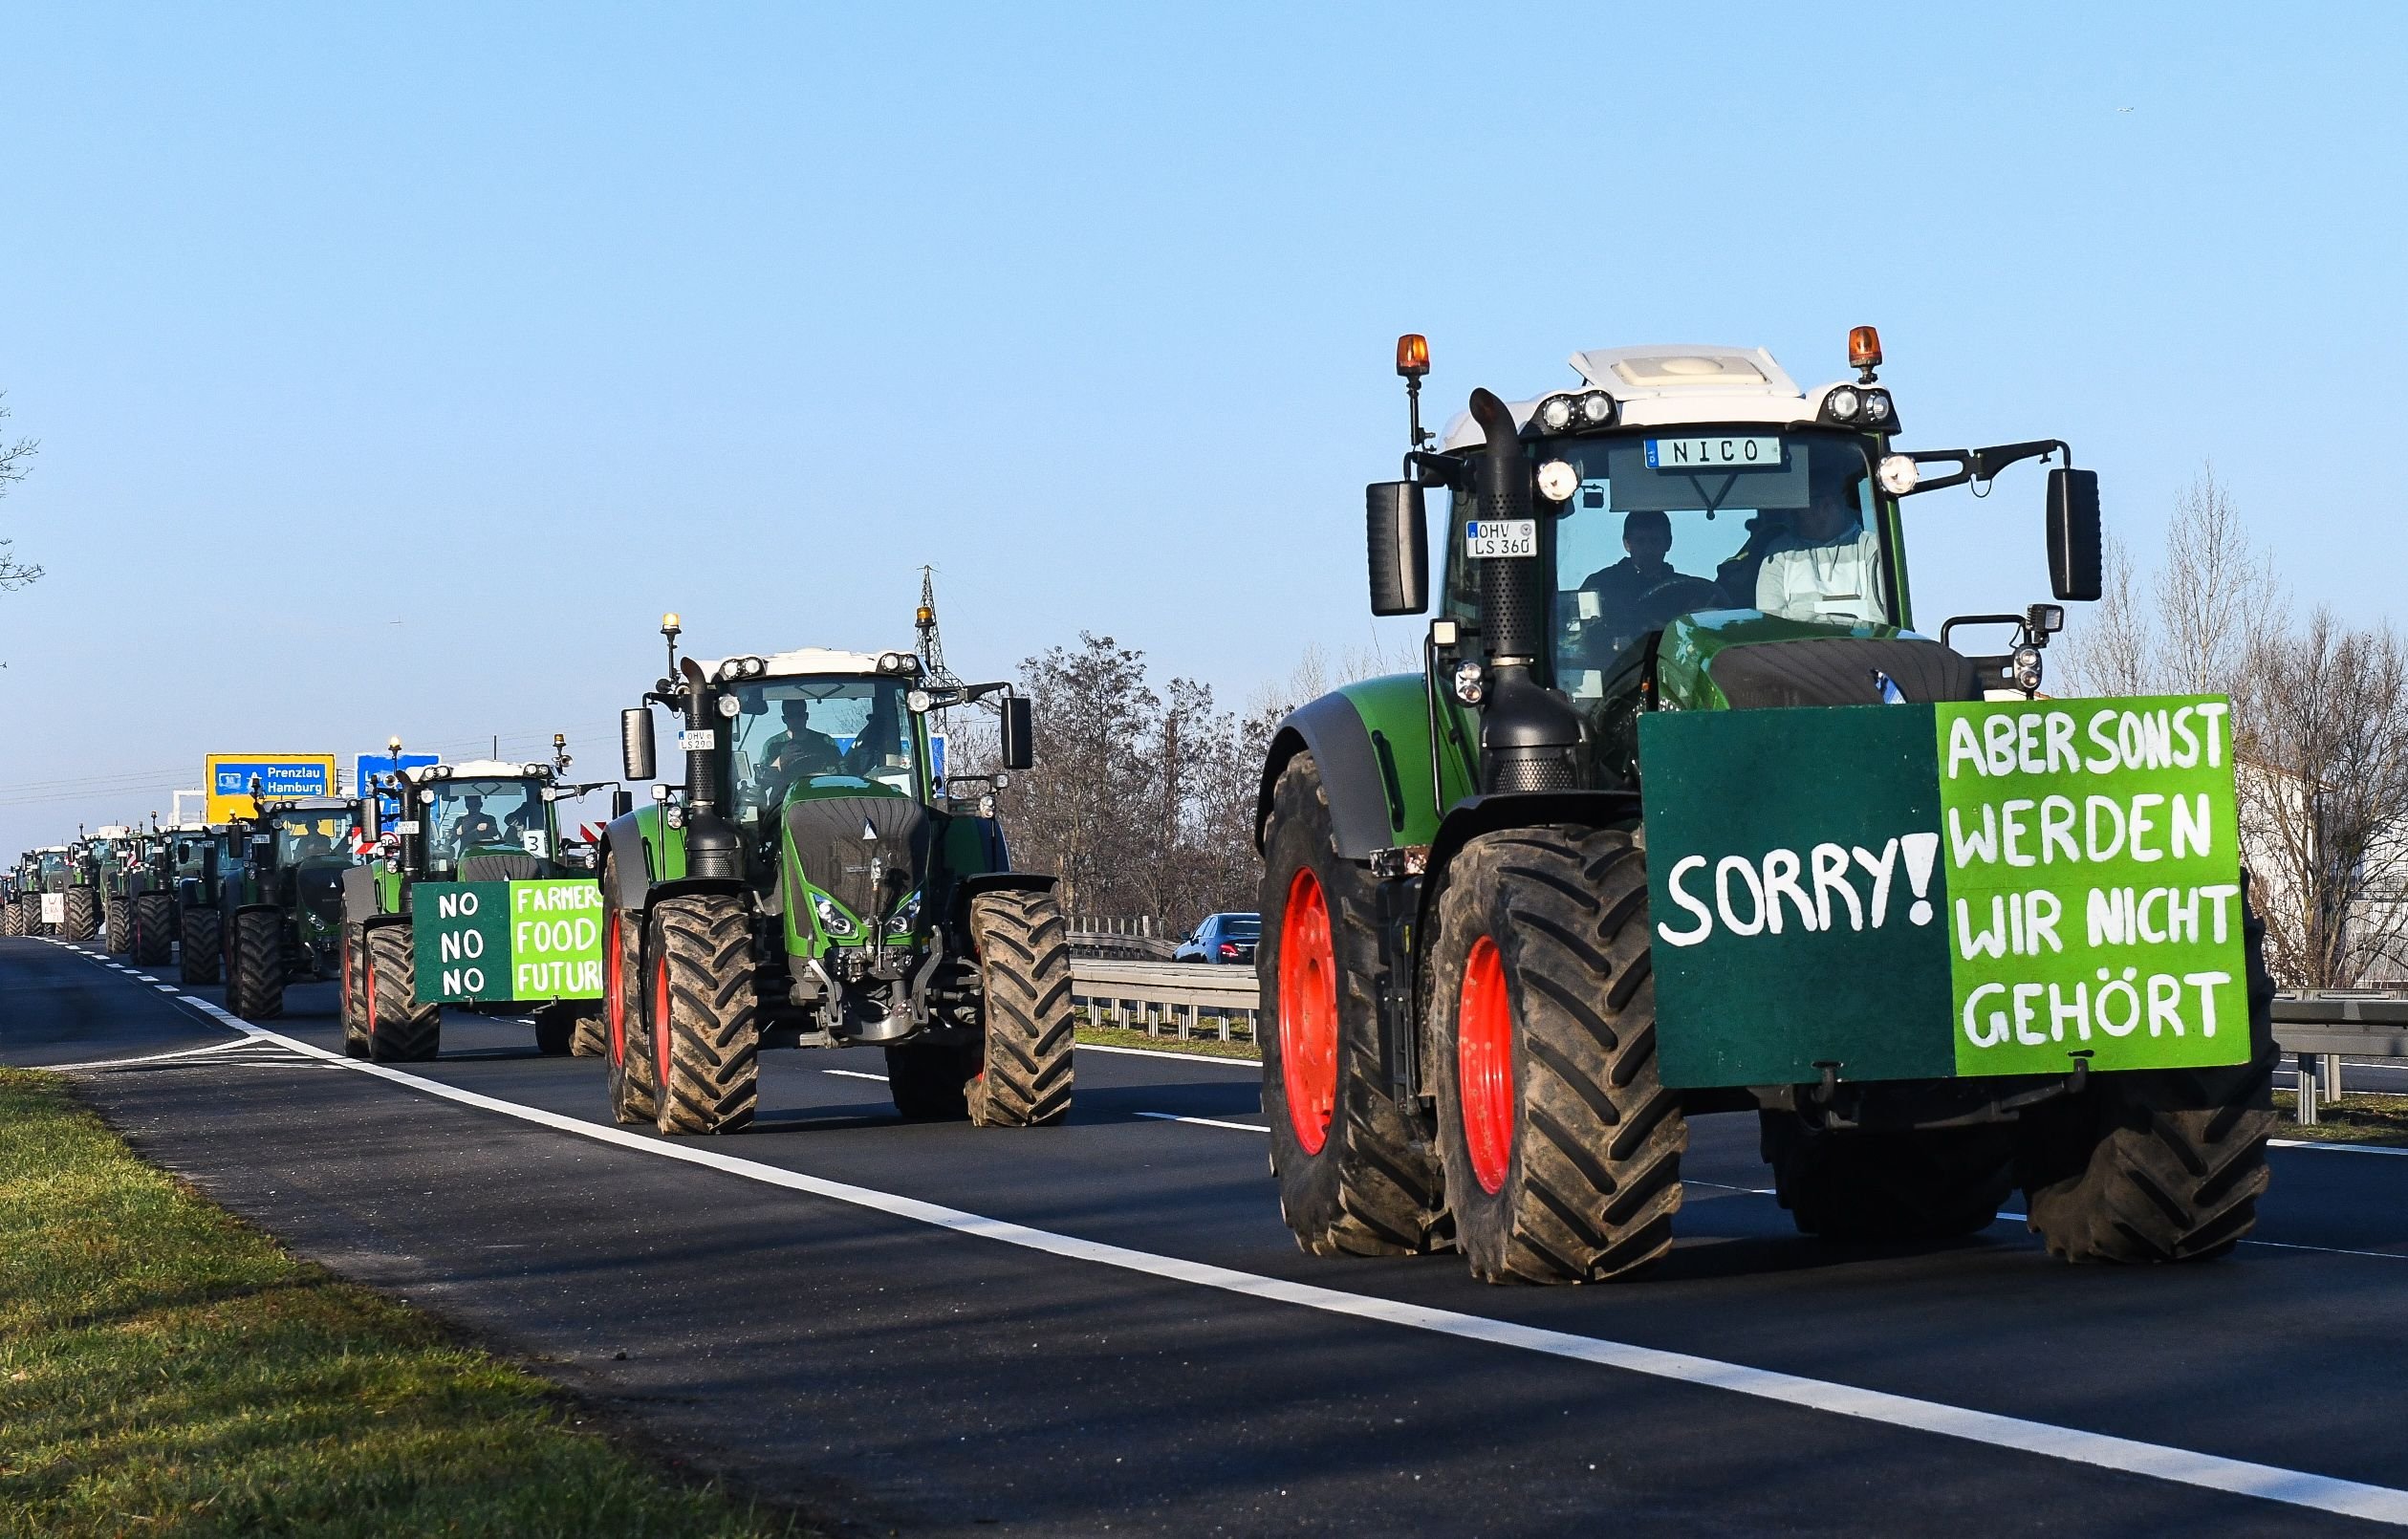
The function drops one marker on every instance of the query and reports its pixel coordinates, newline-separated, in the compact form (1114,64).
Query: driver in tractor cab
(799,750)
(1647,540)
(476,826)
(1828,564)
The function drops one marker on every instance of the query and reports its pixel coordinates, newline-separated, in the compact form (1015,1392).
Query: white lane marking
(2330,1251)
(164,988)
(855,1073)
(145,977)
(2336,1148)
(237,1046)
(2181,1467)
(1182,1057)
(1202,1121)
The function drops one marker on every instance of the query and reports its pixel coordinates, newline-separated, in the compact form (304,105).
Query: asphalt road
(1104,1327)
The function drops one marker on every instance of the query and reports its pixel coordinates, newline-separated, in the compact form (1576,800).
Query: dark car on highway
(1222,937)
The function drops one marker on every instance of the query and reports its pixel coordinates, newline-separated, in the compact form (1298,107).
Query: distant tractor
(280,906)
(16,885)
(87,863)
(480,822)
(148,888)
(199,857)
(1524,910)
(810,882)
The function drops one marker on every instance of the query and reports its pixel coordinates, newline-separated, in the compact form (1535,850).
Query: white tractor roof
(1669,383)
(804,661)
(475,770)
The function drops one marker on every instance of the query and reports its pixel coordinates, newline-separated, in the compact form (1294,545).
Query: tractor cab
(295,853)
(54,869)
(482,820)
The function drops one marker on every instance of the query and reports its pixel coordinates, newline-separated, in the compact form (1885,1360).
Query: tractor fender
(997,881)
(626,866)
(1332,730)
(689,886)
(1475,816)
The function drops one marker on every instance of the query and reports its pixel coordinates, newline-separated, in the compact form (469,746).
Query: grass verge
(2355,1119)
(166,1370)
(1117,1036)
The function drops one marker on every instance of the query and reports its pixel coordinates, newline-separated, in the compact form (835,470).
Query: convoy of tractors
(1682,814)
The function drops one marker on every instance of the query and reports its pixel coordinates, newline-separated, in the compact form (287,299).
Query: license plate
(1712,453)
(697,740)
(408,825)
(1487,538)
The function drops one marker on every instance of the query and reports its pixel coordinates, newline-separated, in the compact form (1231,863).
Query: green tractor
(88,864)
(44,878)
(200,856)
(280,905)
(1467,935)
(17,885)
(813,882)
(144,897)
(480,821)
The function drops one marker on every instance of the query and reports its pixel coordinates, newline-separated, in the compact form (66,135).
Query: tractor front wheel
(154,920)
(2164,1165)
(634,1097)
(588,1037)
(254,964)
(1023,1067)
(83,915)
(352,979)
(1560,1143)
(1353,1179)
(398,1028)
(11,918)
(705,1025)
(198,945)
(120,923)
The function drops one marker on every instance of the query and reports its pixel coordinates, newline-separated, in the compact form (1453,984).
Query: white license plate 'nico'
(1485,537)
(1713,453)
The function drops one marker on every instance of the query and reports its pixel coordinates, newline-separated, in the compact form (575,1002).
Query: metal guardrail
(1175,999)
(1166,998)
(2320,1030)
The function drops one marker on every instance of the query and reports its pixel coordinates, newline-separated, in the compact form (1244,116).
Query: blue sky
(395,367)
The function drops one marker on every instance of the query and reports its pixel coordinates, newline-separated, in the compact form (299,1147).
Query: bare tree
(2216,593)
(14,572)
(2108,651)
(2323,739)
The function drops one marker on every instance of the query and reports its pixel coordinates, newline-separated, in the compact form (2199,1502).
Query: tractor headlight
(1898,475)
(834,921)
(919,702)
(676,816)
(729,705)
(1876,406)
(1471,683)
(1596,408)
(1842,404)
(2024,663)
(1557,481)
(1554,413)
(894,662)
(905,918)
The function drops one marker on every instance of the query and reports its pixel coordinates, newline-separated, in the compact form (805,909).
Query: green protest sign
(506,939)
(1912,892)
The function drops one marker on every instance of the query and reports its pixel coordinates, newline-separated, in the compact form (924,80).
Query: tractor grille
(841,838)
(1841,670)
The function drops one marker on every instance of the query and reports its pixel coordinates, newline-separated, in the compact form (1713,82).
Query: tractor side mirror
(2074,540)
(1019,733)
(1398,537)
(635,743)
(622,801)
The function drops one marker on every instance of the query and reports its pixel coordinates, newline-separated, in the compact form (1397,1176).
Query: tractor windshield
(1689,519)
(53,863)
(303,835)
(466,814)
(820,732)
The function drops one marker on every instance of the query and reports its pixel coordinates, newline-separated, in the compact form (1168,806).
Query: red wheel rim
(660,1021)
(1307,1011)
(614,988)
(1484,1064)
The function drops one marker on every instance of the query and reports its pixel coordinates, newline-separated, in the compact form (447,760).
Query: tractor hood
(1744,660)
(868,850)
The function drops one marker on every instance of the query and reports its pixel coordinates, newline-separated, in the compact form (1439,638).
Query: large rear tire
(11,918)
(2164,1165)
(589,1038)
(1560,1143)
(154,917)
(1938,1185)
(198,947)
(1354,1179)
(352,979)
(397,1027)
(1023,1070)
(254,964)
(705,1022)
(118,921)
(930,1080)
(83,915)
(634,1097)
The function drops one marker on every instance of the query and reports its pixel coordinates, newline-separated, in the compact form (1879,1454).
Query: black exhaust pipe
(1529,735)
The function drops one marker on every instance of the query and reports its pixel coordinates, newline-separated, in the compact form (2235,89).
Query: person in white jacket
(1828,567)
